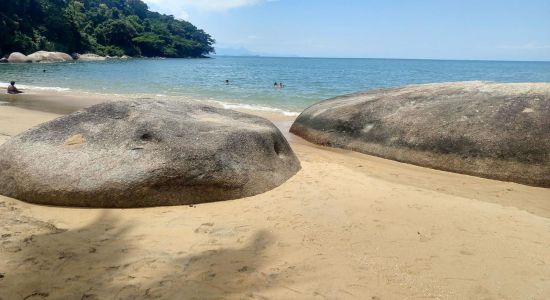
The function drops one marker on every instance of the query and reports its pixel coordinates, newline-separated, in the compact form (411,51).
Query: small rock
(243,269)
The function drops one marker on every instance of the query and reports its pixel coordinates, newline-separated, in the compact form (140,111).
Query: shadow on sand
(104,260)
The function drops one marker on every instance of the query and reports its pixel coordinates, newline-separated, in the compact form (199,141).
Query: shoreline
(347,226)
(47,95)
(43,106)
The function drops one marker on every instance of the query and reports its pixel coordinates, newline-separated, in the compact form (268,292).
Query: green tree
(112,27)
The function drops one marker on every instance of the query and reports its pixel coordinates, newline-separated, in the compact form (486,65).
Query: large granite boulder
(145,153)
(90,57)
(17,57)
(492,130)
(44,56)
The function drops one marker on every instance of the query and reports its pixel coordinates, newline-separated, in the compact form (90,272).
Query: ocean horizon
(252,79)
(380,58)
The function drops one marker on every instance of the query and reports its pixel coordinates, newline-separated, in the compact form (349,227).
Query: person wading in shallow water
(12,89)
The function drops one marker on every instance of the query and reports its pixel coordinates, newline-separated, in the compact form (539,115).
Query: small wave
(40,88)
(227,105)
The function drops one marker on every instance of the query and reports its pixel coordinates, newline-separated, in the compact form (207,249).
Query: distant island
(104,27)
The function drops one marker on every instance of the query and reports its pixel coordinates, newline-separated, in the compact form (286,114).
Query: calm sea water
(306,80)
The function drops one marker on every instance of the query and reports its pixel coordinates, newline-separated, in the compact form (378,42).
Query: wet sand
(347,226)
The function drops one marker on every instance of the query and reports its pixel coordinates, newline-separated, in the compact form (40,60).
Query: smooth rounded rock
(45,56)
(145,153)
(17,57)
(493,130)
(91,57)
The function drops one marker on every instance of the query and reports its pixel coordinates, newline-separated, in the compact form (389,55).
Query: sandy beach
(347,226)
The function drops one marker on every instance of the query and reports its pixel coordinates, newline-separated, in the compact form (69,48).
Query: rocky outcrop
(17,57)
(145,153)
(492,130)
(45,56)
(90,57)
(39,56)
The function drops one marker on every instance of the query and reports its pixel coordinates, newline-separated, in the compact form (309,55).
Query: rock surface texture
(145,153)
(44,56)
(493,130)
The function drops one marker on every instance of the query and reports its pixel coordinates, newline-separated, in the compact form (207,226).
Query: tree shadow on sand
(42,261)
(104,261)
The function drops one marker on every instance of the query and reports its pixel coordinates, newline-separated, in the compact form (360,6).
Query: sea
(252,79)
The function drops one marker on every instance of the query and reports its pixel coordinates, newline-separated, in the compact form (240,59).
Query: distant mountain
(234,52)
(106,27)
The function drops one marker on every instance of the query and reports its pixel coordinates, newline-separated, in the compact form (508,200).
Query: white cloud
(179,8)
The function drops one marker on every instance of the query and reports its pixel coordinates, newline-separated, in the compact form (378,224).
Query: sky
(431,29)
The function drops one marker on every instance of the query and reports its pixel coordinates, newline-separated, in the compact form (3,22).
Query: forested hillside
(105,27)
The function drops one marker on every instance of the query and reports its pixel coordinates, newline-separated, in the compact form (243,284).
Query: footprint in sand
(37,295)
(204,228)
(466,252)
(423,237)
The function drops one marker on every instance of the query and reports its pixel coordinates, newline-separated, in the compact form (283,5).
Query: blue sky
(460,29)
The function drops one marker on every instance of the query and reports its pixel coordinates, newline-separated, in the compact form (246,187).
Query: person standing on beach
(275,85)
(12,89)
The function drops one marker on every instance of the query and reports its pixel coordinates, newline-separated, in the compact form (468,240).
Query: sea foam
(228,105)
(39,88)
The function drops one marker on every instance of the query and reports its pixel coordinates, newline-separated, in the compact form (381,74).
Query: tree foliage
(106,27)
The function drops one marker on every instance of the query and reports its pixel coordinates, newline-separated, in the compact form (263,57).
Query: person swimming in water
(12,89)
